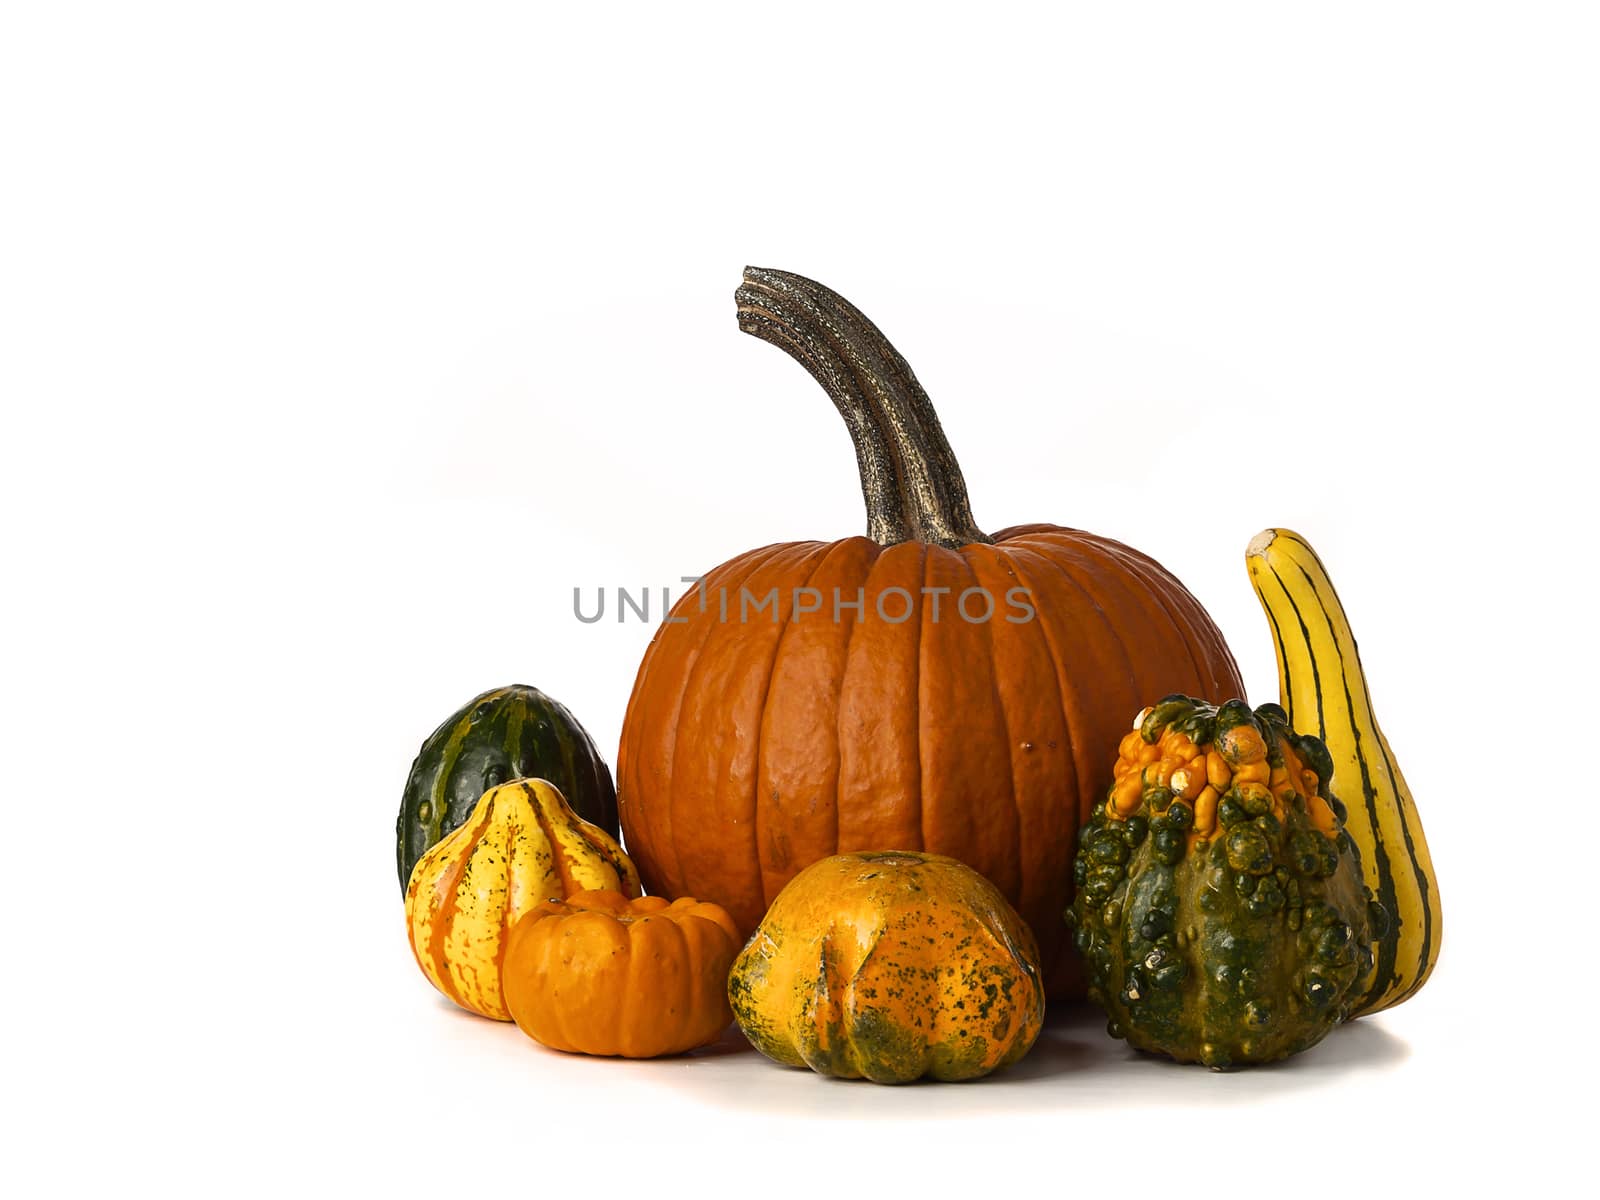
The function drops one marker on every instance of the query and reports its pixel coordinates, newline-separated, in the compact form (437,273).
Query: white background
(339,343)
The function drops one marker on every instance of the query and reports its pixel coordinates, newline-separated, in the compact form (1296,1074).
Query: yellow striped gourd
(1323,689)
(522,845)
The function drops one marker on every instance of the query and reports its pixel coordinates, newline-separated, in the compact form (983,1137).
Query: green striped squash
(509,733)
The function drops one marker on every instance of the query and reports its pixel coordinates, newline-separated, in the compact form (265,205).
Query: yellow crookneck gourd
(1323,689)
(522,845)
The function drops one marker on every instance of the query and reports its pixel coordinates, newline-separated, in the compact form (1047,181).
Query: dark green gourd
(509,733)
(1220,907)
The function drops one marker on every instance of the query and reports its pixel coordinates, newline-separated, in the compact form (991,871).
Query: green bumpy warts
(1245,944)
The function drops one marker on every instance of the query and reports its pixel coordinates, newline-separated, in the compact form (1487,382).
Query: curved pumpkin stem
(909,476)
(770,309)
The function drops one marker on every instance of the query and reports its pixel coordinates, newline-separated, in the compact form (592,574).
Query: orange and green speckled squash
(890,966)
(521,846)
(602,973)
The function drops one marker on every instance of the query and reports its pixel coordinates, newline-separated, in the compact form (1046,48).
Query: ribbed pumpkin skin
(890,967)
(600,973)
(507,733)
(751,750)
(522,845)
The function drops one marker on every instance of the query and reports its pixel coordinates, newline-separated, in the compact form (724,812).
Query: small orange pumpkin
(600,973)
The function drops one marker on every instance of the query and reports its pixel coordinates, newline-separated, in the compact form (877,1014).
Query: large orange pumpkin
(774,722)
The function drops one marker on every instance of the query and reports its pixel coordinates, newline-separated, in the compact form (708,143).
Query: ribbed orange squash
(753,747)
(600,973)
(521,846)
